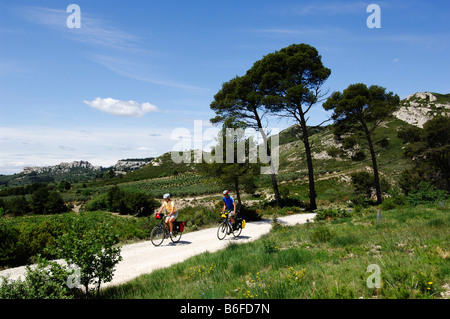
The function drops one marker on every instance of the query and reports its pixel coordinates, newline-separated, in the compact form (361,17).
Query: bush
(18,206)
(425,194)
(331,213)
(47,281)
(22,239)
(44,201)
(363,186)
(99,202)
(123,202)
(394,200)
(321,234)
(92,248)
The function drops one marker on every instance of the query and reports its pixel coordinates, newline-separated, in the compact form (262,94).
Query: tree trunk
(312,189)
(375,166)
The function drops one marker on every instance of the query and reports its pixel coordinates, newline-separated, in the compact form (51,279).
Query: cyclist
(169,205)
(230,205)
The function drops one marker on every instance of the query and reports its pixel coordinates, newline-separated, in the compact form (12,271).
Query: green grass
(326,259)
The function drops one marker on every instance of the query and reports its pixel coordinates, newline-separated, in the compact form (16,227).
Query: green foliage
(394,200)
(429,150)
(270,246)
(44,201)
(18,206)
(46,281)
(322,234)
(331,213)
(92,248)
(334,151)
(363,185)
(21,241)
(124,202)
(425,193)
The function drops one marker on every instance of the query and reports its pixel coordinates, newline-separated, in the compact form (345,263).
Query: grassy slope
(327,259)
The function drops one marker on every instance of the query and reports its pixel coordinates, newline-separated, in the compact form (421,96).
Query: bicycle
(160,232)
(226,228)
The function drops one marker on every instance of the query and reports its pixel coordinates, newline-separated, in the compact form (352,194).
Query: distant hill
(72,172)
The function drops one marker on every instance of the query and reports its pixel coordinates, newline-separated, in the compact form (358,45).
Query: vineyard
(186,184)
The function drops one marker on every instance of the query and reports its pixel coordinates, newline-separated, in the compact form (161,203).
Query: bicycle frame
(160,232)
(225,228)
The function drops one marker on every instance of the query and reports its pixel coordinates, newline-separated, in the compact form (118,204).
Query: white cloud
(122,108)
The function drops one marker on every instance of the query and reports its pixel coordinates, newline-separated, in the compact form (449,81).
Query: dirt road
(141,258)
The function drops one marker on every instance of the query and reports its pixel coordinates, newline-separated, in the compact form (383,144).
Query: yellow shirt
(169,205)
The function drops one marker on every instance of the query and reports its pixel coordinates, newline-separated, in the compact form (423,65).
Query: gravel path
(142,258)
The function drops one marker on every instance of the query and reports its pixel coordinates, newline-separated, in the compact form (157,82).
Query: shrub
(331,213)
(46,281)
(90,246)
(395,199)
(44,201)
(99,202)
(270,246)
(18,206)
(123,202)
(321,234)
(334,151)
(424,194)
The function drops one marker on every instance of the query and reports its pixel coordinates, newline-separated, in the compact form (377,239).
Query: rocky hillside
(418,108)
(61,168)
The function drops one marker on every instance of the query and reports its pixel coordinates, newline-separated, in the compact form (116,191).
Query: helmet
(225,192)
(166,196)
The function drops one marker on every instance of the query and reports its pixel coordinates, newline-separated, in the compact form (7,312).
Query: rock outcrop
(61,168)
(418,108)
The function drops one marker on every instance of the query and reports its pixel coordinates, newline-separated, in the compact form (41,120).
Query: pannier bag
(179,226)
(241,222)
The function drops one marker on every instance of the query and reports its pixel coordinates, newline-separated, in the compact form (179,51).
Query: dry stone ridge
(420,107)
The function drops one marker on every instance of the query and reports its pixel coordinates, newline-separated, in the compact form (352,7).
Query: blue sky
(118,86)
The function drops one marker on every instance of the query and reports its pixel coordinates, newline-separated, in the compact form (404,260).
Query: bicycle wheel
(222,230)
(237,231)
(157,236)
(175,237)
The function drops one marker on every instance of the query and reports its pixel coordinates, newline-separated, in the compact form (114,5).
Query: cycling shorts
(232,214)
(174,215)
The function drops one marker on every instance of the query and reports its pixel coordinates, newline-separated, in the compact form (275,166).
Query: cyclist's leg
(171,220)
(232,217)
(168,223)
